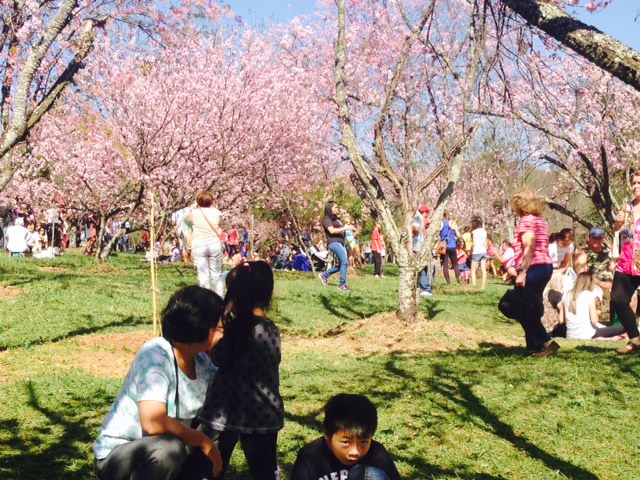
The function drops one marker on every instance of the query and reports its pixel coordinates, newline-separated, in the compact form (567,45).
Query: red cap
(424,209)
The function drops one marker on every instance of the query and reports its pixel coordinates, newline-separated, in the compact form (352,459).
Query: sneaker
(344,288)
(550,348)
(425,293)
(323,279)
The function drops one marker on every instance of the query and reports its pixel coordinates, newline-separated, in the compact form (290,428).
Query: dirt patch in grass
(48,268)
(111,355)
(108,355)
(386,334)
(10,292)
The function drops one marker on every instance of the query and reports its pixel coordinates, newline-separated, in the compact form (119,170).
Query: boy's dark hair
(190,314)
(354,413)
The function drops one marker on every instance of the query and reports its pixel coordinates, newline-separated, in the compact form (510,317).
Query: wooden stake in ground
(251,237)
(154,270)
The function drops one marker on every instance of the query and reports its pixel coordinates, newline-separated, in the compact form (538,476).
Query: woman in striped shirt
(534,268)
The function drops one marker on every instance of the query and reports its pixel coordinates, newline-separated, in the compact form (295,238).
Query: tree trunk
(597,47)
(408,294)
(100,240)
(105,252)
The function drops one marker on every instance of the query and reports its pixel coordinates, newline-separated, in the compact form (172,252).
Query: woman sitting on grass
(582,313)
(147,432)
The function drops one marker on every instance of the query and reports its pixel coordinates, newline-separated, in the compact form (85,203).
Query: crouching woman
(147,432)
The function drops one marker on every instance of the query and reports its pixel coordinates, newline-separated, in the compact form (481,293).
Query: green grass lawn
(471,410)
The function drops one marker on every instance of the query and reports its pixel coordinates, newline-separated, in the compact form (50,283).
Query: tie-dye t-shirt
(152,376)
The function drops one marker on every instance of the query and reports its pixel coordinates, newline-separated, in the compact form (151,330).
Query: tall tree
(406,78)
(43,45)
(583,123)
(208,107)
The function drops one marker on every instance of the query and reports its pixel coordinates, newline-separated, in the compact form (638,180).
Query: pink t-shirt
(540,229)
(509,258)
(232,237)
(630,242)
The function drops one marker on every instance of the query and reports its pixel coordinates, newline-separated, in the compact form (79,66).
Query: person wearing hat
(595,258)
(418,229)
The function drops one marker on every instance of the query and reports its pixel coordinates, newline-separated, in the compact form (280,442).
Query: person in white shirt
(479,253)
(562,249)
(17,238)
(148,431)
(33,239)
(206,245)
(582,313)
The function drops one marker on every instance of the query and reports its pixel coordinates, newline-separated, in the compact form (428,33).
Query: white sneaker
(425,293)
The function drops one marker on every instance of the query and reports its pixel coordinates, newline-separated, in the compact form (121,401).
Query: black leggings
(259,450)
(623,288)
(451,255)
(607,332)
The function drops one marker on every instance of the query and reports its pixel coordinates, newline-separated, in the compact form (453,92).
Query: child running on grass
(243,401)
(347,448)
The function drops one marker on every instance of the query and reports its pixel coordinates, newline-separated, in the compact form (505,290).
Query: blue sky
(617,20)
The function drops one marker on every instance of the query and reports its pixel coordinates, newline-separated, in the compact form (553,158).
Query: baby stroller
(319,258)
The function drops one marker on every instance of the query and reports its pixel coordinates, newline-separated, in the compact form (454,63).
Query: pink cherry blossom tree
(209,107)
(406,79)
(43,45)
(582,122)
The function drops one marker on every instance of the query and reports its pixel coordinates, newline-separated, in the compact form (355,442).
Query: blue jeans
(364,472)
(424,281)
(341,253)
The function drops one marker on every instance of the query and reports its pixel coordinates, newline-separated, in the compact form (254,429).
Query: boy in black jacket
(347,449)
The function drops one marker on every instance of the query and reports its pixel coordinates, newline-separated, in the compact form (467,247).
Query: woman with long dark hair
(335,230)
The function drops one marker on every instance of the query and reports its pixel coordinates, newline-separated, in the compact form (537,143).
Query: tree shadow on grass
(342,306)
(42,452)
(129,321)
(431,308)
(34,277)
(462,402)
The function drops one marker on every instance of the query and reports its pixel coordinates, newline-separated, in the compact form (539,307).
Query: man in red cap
(419,228)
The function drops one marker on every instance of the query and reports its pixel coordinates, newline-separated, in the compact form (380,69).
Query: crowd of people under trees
(212,379)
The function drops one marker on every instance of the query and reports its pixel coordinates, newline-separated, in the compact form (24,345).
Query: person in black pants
(377,244)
